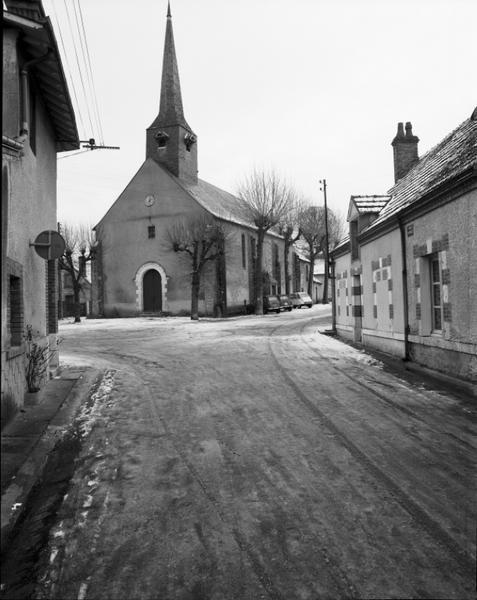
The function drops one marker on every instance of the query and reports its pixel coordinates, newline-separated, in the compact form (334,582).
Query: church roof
(219,203)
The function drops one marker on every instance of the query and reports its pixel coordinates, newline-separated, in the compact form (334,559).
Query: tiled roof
(453,155)
(456,153)
(219,203)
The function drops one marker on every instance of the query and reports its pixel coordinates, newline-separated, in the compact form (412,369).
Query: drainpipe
(24,93)
(404,290)
(333,295)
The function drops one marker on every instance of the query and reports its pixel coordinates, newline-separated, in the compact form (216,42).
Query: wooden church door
(152,291)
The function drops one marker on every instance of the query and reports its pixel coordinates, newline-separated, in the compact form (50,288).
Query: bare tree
(336,228)
(266,200)
(311,222)
(80,248)
(289,228)
(312,229)
(203,238)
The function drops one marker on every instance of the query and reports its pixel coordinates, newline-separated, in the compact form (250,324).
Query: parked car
(285,302)
(271,304)
(300,299)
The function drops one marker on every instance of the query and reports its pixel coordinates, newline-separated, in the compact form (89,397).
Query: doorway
(152,292)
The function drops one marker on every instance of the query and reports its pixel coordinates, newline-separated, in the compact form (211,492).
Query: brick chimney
(405,151)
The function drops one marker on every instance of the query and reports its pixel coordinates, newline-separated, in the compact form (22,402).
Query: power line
(74,154)
(95,97)
(79,66)
(68,68)
(83,43)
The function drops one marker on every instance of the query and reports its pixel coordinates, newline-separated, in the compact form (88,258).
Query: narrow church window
(244,264)
(151,231)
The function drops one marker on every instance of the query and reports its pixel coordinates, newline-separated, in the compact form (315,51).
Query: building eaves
(37,39)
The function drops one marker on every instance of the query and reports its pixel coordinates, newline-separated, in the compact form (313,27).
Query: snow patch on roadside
(90,411)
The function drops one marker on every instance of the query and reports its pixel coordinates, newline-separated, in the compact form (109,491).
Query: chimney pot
(405,151)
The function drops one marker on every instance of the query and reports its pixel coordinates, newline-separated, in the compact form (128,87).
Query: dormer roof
(361,205)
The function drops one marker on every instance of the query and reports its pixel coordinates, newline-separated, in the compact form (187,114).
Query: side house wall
(369,295)
(29,206)
(383,301)
(448,233)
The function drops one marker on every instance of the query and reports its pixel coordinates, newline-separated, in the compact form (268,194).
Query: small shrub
(38,359)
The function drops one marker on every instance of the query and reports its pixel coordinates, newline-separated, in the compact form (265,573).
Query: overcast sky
(312,88)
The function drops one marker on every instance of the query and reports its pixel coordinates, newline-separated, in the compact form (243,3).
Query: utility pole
(327,268)
(329,262)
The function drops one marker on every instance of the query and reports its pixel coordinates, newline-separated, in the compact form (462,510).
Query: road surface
(255,458)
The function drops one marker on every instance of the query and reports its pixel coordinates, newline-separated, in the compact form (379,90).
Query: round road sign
(49,245)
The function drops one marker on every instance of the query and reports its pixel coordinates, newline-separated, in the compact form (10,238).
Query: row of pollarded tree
(267,201)
(270,203)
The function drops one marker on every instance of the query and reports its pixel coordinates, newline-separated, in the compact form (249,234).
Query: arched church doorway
(152,291)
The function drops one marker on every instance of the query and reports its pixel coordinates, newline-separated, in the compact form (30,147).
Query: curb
(15,496)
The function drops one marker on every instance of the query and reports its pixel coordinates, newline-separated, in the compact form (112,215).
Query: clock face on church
(149,200)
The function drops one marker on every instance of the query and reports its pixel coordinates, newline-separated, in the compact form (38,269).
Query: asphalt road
(256,458)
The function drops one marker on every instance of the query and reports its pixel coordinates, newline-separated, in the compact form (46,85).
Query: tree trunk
(310,275)
(286,269)
(194,309)
(76,296)
(258,274)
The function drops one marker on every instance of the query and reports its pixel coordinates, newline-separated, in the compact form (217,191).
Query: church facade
(136,270)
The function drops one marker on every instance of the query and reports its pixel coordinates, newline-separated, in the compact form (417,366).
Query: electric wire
(74,154)
(68,70)
(95,97)
(79,67)
(88,71)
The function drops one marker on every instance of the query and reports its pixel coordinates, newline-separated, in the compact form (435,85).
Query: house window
(244,263)
(15,306)
(436,293)
(151,231)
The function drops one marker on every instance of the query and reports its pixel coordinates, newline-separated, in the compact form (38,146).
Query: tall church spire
(170,140)
(171,110)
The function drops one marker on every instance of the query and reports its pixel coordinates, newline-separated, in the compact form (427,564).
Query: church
(136,271)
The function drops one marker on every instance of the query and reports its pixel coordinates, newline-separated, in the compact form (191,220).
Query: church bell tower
(169,140)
